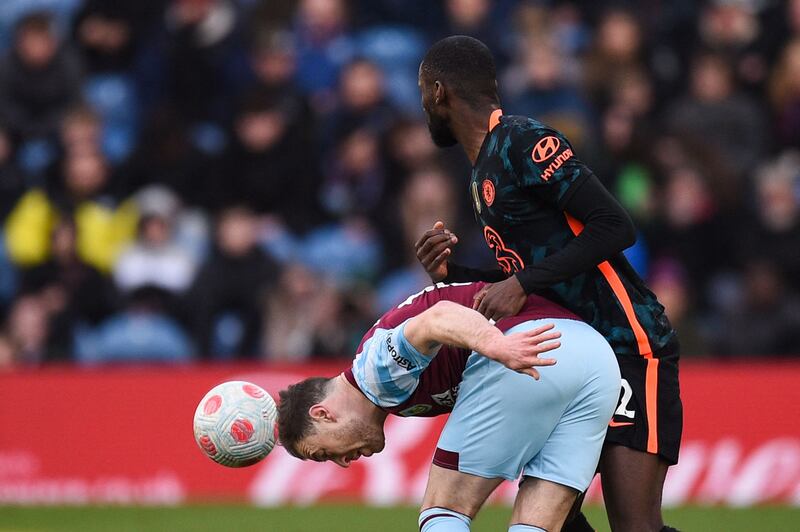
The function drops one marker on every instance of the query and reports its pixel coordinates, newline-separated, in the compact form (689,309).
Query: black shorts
(649,416)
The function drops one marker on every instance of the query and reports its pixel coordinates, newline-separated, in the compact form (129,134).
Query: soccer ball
(234,424)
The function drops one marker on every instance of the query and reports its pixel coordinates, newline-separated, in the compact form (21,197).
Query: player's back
(435,387)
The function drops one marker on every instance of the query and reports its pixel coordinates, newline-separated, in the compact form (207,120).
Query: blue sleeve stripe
(392,393)
(409,351)
(372,373)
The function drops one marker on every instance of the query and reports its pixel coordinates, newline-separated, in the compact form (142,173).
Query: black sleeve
(607,231)
(462,274)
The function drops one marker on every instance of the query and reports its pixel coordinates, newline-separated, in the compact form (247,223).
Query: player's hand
(520,351)
(433,250)
(500,300)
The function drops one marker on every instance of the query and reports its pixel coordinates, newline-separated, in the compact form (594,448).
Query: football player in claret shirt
(511,412)
(556,231)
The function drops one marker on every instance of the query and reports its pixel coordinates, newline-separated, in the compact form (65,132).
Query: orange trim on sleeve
(651,404)
(494,118)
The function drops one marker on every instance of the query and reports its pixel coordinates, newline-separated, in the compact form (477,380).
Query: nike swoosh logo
(613,423)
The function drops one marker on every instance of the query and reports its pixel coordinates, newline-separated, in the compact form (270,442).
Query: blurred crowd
(232,179)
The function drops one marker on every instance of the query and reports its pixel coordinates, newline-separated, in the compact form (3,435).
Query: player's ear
(320,412)
(439,93)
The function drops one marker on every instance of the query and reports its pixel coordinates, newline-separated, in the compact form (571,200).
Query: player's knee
(460,505)
(463,503)
(439,519)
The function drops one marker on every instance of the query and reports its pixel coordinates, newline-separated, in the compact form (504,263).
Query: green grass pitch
(336,518)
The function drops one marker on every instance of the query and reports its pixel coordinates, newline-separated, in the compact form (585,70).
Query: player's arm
(602,226)
(604,230)
(449,323)
(434,249)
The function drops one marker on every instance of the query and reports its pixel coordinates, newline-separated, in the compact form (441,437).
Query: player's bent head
(294,420)
(317,421)
(465,66)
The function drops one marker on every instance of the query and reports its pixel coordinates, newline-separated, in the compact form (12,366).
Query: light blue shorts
(506,424)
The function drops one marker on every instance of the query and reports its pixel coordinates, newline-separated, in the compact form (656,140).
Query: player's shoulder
(524,125)
(535,143)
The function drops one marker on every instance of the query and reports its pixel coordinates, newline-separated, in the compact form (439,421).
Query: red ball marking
(242,430)
(253,391)
(212,405)
(208,446)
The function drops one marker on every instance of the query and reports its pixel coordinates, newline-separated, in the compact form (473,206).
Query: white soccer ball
(234,424)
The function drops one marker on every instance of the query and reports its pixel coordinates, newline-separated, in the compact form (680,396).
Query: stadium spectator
(288,331)
(347,253)
(543,90)
(307,317)
(625,164)
(26,332)
(103,225)
(476,18)
(774,233)
(634,91)
(80,131)
(142,332)
(618,49)
(73,293)
(39,78)
(12,180)
(324,46)
(155,259)
(669,284)
(428,196)
(226,298)
(733,29)
(199,62)
(719,117)
(689,229)
(362,103)
(765,322)
(107,33)
(274,164)
(409,147)
(355,178)
(785,95)
(273,60)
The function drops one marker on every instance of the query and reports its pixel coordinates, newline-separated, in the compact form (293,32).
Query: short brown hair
(294,423)
(37,21)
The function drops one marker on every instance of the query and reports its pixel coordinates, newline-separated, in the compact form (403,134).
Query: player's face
(438,120)
(343,442)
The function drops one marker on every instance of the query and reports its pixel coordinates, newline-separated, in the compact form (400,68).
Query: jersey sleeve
(388,368)
(548,165)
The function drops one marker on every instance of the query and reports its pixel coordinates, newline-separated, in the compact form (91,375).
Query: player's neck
(470,127)
(357,402)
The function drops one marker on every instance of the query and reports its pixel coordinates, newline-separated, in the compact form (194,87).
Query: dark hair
(294,423)
(465,65)
(38,21)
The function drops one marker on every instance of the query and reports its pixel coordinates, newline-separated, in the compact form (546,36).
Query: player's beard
(368,435)
(441,134)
